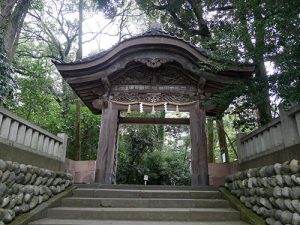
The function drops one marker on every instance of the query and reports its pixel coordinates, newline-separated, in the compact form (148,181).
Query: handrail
(273,123)
(281,133)
(15,130)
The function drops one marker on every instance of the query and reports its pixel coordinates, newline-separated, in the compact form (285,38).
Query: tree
(89,133)
(51,31)
(125,13)
(262,31)
(167,168)
(182,17)
(133,145)
(78,101)
(134,142)
(163,153)
(222,139)
(210,140)
(6,81)
(237,30)
(13,13)
(53,26)
(35,99)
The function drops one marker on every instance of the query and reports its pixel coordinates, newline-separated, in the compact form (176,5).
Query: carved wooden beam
(171,108)
(153,62)
(201,83)
(166,121)
(100,103)
(107,84)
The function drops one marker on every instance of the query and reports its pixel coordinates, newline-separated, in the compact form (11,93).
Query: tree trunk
(12,18)
(77,135)
(6,7)
(80,23)
(264,105)
(257,51)
(222,139)
(78,101)
(210,140)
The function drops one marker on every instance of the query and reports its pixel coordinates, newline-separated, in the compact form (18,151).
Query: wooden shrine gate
(149,72)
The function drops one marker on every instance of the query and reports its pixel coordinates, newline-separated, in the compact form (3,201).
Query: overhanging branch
(221,8)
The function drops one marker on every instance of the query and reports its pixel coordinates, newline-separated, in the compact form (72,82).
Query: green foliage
(41,97)
(251,31)
(260,30)
(243,100)
(134,142)
(110,7)
(286,80)
(141,152)
(182,18)
(230,132)
(6,81)
(35,99)
(89,132)
(167,168)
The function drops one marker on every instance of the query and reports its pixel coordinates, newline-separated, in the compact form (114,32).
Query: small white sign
(146,177)
(224,157)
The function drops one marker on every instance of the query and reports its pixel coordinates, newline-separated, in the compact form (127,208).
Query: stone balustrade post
(240,147)
(288,128)
(63,148)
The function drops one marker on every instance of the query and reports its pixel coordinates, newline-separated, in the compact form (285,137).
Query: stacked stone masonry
(273,192)
(23,187)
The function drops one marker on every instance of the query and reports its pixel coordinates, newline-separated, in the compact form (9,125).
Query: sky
(107,39)
(103,41)
(109,35)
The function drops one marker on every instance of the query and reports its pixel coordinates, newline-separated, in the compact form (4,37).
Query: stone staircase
(142,205)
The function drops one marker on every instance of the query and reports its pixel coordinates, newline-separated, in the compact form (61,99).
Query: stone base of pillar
(200,180)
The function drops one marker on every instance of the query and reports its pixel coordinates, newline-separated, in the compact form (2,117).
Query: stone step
(144,203)
(123,193)
(114,222)
(152,214)
(147,187)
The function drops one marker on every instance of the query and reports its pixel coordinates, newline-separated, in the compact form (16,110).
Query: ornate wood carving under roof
(151,68)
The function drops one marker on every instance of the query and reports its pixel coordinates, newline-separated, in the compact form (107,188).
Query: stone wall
(218,171)
(23,187)
(273,191)
(83,171)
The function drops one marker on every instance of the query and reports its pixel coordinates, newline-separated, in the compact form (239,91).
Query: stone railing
(280,134)
(23,187)
(273,191)
(21,134)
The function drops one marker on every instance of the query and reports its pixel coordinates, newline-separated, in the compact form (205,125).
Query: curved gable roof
(153,44)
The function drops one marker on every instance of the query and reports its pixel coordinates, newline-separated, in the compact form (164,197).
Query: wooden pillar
(199,146)
(107,147)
